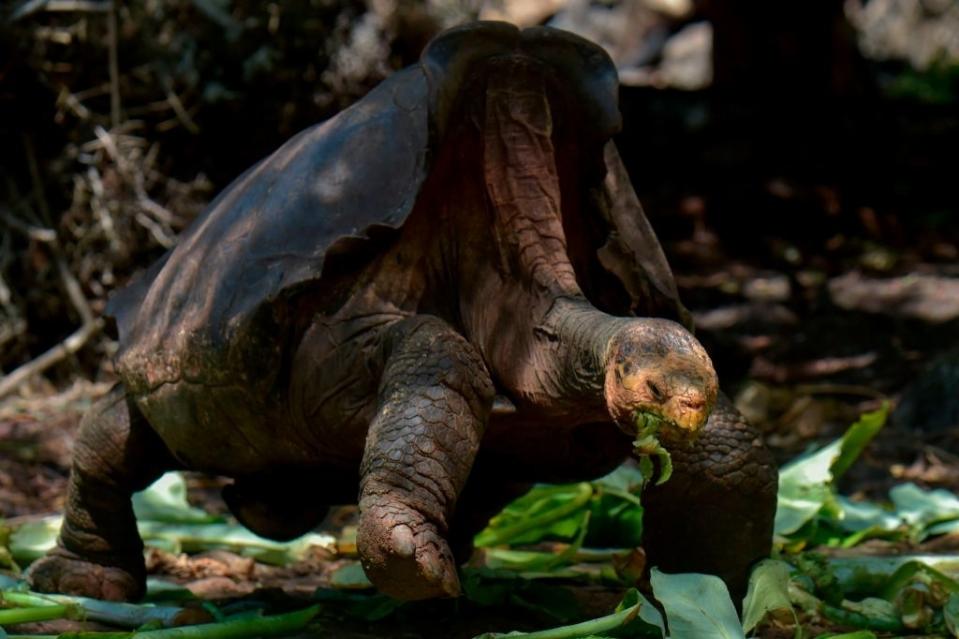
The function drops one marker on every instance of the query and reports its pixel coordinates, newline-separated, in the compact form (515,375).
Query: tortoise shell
(223,306)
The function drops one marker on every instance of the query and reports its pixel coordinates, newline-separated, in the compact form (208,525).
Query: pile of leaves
(852,567)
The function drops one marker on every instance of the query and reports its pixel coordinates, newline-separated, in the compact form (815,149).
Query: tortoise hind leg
(715,515)
(99,552)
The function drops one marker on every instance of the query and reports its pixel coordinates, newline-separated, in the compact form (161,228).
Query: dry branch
(36,233)
(64,349)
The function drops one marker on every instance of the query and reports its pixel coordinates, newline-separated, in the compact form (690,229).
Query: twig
(110,146)
(114,67)
(164,218)
(181,113)
(156,231)
(100,210)
(91,324)
(64,349)
(36,233)
(70,101)
(78,6)
(70,283)
(30,7)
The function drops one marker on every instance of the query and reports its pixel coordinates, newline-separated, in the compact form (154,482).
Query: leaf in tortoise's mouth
(647,445)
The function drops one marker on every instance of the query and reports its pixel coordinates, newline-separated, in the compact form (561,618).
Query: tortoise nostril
(657,392)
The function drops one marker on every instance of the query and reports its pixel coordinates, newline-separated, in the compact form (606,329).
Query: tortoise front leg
(715,515)
(434,400)
(99,552)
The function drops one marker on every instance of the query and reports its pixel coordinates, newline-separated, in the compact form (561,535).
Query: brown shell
(212,310)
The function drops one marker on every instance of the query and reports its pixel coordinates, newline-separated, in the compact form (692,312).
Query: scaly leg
(99,552)
(434,400)
(715,515)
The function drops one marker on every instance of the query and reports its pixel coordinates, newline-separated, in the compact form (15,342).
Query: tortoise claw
(408,560)
(65,572)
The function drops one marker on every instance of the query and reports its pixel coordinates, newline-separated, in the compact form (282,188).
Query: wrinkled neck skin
(546,345)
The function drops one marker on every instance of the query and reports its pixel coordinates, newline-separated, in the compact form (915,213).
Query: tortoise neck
(522,181)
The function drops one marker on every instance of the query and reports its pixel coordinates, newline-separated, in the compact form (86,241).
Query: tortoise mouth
(650,423)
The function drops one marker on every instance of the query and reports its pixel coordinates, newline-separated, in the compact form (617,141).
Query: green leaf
(34,539)
(543,512)
(874,608)
(264,626)
(350,577)
(858,516)
(627,612)
(161,590)
(616,521)
(625,479)
(950,613)
(806,484)
(804,487)
(913,572)
(855,440)
(696,606)
(768,591)
(859,634)
(503,588)
(233,537)
(165,500)
(920,508)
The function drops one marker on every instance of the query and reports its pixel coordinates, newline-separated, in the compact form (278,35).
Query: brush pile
(119,121)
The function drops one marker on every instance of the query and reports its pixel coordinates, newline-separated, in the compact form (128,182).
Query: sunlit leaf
(920,508)
(804,486)
(768,592)
(862,515)
(806,483)
(625,479)
(233,537)
(857,437)
(34,539)
(696,606)
(165,500)
(543,512)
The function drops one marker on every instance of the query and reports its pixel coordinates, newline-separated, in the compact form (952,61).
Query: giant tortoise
(444,293)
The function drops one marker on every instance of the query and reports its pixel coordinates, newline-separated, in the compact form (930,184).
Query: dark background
(797,159)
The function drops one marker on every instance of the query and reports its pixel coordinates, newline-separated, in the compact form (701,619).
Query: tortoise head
(656,369)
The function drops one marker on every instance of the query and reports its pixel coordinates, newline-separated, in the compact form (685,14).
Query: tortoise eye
(657,392)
